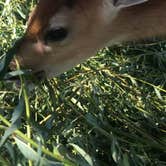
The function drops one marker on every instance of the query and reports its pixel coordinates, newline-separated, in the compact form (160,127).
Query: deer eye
(56,34)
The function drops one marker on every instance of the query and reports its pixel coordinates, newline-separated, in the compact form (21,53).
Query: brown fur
(90,30)
(39,18)
(141,21)
(45,9)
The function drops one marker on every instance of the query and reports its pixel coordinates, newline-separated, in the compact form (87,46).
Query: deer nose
(7,61)
(26,53)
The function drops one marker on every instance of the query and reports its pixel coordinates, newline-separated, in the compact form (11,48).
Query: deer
(63,33)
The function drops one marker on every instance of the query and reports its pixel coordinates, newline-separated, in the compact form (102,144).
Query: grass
(111,110)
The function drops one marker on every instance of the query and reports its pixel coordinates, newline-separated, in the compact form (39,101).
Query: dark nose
(40,75)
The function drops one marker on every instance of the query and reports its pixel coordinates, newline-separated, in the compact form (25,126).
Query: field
(110,110)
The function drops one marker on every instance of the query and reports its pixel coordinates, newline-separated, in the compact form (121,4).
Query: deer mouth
(31,76)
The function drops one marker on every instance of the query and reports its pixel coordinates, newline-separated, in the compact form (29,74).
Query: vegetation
(111,110)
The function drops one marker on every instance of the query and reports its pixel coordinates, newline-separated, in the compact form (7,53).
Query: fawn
(63,33)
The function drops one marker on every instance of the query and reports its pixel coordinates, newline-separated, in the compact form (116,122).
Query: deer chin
(64,62)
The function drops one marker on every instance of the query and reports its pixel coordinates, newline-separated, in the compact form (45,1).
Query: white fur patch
(109,12)
(60,19)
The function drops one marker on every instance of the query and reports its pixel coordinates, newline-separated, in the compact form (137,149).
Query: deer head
(63,33)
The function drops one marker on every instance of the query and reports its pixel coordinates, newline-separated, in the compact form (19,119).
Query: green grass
(111,110)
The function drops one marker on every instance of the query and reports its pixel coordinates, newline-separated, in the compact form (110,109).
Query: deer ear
(127,3)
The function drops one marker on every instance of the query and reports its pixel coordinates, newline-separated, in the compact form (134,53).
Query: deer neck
(138,22)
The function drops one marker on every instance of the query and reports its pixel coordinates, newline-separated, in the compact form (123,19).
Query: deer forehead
(57,13)
(40,16)
(46,9)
